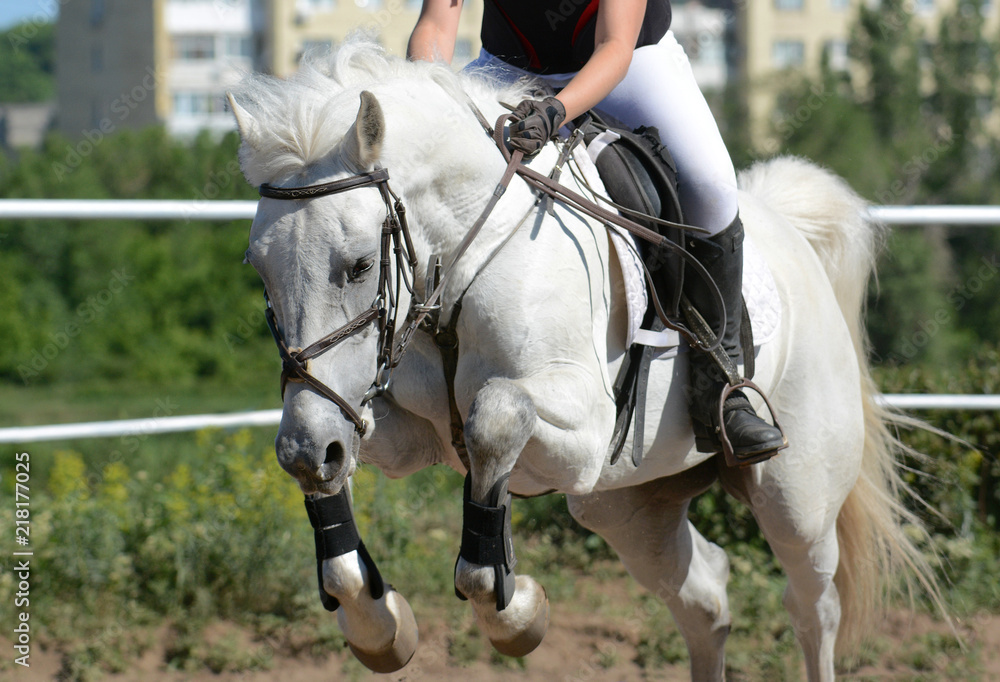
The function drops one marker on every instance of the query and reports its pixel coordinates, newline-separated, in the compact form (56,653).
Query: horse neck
(451,168)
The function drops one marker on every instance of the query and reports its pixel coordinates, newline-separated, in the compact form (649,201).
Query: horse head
(318,253)
(319,261)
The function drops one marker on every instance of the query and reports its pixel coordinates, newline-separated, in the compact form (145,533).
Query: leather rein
(397,249)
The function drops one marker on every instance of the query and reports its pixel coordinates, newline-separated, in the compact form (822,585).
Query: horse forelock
(299,121)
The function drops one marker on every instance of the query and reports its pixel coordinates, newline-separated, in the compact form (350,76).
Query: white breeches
(660,90)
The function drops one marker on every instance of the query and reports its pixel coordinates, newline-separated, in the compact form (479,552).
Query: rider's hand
(534,122)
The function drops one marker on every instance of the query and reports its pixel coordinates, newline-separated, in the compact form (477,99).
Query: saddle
(640,177)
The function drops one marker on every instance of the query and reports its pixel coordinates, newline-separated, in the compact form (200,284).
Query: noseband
(384,309)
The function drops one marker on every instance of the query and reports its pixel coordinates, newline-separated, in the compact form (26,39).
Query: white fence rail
(126,209)
(200,209)
(195,422)
(141,209)
(936,215)
(138,427)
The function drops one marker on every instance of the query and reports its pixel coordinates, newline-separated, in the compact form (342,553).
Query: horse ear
(364,139)
(245,123)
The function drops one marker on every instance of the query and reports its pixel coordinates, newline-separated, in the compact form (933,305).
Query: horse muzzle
(318,468)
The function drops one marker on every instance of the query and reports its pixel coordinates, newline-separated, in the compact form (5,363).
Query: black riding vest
(555,36)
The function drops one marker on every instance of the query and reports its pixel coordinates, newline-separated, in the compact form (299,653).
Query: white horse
(542,332)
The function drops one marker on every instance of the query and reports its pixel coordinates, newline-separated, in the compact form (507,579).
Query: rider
(620,57)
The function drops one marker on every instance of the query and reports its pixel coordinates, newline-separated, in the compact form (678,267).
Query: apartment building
(295,27)
(782,37)
(109,67)
(706,33)
(133,63)
(778,38)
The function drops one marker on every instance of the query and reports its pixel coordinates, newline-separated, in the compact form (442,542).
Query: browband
(372,178)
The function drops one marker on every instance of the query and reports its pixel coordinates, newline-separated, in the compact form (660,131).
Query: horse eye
(362,266)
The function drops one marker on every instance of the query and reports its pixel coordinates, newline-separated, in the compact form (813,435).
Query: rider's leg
(660,90)
(750,436)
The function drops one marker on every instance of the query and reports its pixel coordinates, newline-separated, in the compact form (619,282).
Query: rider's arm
(433,37)
(616,32)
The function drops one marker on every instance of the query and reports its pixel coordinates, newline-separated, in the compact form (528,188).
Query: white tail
(872,524)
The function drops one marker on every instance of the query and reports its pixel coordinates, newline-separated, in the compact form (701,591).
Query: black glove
(534,122)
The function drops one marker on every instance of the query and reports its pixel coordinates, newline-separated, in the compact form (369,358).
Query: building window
(463,50)
(836,54)
(96,12)
(311,45)
(788,54)
(187,104)
(237,46)
(712,51)
(839,5)
(194,47)
(789,5)
(198,104)
(314,47)
(312,6)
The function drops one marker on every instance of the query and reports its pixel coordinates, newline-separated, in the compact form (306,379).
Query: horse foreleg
(647,526)
(382,632)
(511,610)
(376,621)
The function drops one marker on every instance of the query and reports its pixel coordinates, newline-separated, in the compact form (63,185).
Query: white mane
(298,121)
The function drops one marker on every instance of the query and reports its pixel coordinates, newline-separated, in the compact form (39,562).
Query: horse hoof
(531,636)
(400,650)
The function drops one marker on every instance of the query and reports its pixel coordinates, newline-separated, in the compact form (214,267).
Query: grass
(70,402)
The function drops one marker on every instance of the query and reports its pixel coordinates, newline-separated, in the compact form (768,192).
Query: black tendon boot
(752,438)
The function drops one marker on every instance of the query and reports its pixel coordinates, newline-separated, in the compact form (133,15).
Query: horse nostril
(334,453)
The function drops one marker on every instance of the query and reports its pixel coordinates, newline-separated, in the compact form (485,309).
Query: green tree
(164,301)
(907,128)
(965,69)
(886,43)
(27,63)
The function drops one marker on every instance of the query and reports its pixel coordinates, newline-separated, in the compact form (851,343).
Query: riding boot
(752,438)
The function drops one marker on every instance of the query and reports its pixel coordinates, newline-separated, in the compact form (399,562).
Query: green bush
(167,302)
(212,538)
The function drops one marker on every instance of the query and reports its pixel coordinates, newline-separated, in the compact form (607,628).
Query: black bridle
(395,241)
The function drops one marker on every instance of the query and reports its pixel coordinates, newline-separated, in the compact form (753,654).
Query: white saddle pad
(759,289)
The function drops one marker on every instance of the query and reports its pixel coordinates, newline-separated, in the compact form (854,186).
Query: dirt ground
(577,648)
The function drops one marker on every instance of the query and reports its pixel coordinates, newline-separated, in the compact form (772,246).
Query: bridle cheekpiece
(395,241)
